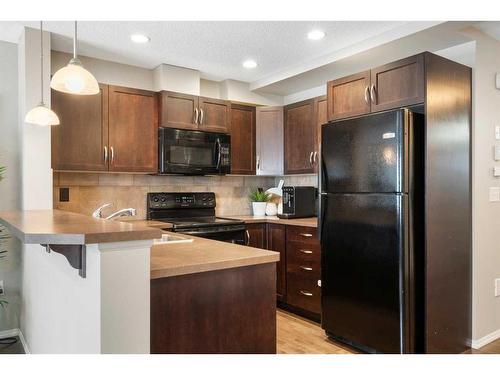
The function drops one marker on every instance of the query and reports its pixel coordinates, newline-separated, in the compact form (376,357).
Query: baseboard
(15,332)
(485,340)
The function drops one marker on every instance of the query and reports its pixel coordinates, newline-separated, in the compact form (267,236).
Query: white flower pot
(259,208)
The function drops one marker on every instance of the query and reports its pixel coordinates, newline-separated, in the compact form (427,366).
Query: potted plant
(259,200)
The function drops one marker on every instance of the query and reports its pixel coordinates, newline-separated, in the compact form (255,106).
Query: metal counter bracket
(75,254)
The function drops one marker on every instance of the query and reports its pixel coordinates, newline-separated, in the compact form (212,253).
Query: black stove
(194,214)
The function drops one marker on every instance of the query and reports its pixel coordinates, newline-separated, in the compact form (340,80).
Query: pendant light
(41,115)
(74,78)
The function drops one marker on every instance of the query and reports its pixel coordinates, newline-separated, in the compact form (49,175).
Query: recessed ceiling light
(249,64)
(139,38)
(316,34)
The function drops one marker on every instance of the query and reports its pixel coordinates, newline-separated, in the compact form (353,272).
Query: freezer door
(365,154)
(362,255)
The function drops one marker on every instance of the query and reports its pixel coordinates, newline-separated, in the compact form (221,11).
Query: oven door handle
(202,233)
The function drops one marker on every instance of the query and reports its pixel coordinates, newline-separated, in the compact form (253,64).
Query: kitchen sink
(172,238)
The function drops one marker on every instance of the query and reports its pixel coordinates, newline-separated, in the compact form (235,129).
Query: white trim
(485,340)
(15,332)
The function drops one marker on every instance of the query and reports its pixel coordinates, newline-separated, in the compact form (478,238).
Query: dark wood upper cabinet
(397,84)
(80,142)
(242,139)
(214,115)
(349,96)
(256,235)
(276,241)
(178,110)
(133,130)
(300,137)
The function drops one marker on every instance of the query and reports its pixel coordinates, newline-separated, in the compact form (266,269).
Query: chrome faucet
(123,212)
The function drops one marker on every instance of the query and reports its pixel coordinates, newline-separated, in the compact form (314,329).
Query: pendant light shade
(41,114)
(74,78)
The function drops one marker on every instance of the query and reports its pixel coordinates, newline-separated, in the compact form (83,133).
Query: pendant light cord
(41,61)
(74,42)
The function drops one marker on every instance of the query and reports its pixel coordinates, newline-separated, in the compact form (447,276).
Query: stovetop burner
(188,210)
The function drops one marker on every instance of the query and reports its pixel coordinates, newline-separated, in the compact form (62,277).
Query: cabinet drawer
(304,293)
(302,234)
(303,254)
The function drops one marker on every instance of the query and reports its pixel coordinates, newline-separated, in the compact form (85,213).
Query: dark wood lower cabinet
(299,268)
(217,312)
(276,241)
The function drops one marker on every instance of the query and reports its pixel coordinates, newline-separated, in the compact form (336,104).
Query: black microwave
(192,152)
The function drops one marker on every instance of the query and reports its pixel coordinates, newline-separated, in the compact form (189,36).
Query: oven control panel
(161,201)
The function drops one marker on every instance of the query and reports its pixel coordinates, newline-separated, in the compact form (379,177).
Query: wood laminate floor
(297,335)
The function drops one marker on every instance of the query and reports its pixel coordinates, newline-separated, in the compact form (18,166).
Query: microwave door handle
(219,152)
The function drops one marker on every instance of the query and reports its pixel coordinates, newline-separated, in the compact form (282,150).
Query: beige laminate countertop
(303,222)
(67,228)
(202,255)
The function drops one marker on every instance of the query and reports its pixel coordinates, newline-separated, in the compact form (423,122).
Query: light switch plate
(497,152)
(494,194)
(497,132)
(496,171)
(497,287)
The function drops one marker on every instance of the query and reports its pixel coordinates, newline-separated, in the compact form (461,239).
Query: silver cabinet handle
(367,95)
(105,154)
(311,158)
(196,116)
(112,155)
(201,116)
(304,293)
(247,235)
(315,157)
(306,234)
(258,162)
(305,251)
(373,94)
(306,268)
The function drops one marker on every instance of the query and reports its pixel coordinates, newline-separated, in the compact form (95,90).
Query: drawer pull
(307,294)
(305,251)
(306,268)
(306,234)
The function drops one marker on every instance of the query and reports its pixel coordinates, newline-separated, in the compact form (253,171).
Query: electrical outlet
(2,291)
(497,287)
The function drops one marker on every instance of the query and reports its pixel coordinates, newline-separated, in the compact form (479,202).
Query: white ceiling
(215,48)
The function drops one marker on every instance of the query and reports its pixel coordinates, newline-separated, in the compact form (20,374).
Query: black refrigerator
(371,231)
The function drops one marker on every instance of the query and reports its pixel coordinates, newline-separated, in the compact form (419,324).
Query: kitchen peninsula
(87,282)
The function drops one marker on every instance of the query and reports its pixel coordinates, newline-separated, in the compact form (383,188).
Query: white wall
(108,72)
(176,78)
(10,197)
(306,94)
(240,92)
(486,214)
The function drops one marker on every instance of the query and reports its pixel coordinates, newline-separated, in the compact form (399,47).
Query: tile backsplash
(87,191)
(299,180)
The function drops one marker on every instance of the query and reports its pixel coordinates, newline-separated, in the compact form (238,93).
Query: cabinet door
(178,110)
(133,130)
(214,115)
(242,139)
(256,235)
(269,145)
(321,117)
(349,96)
(276,241)
(80,142)
(398,84)
(300,137)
